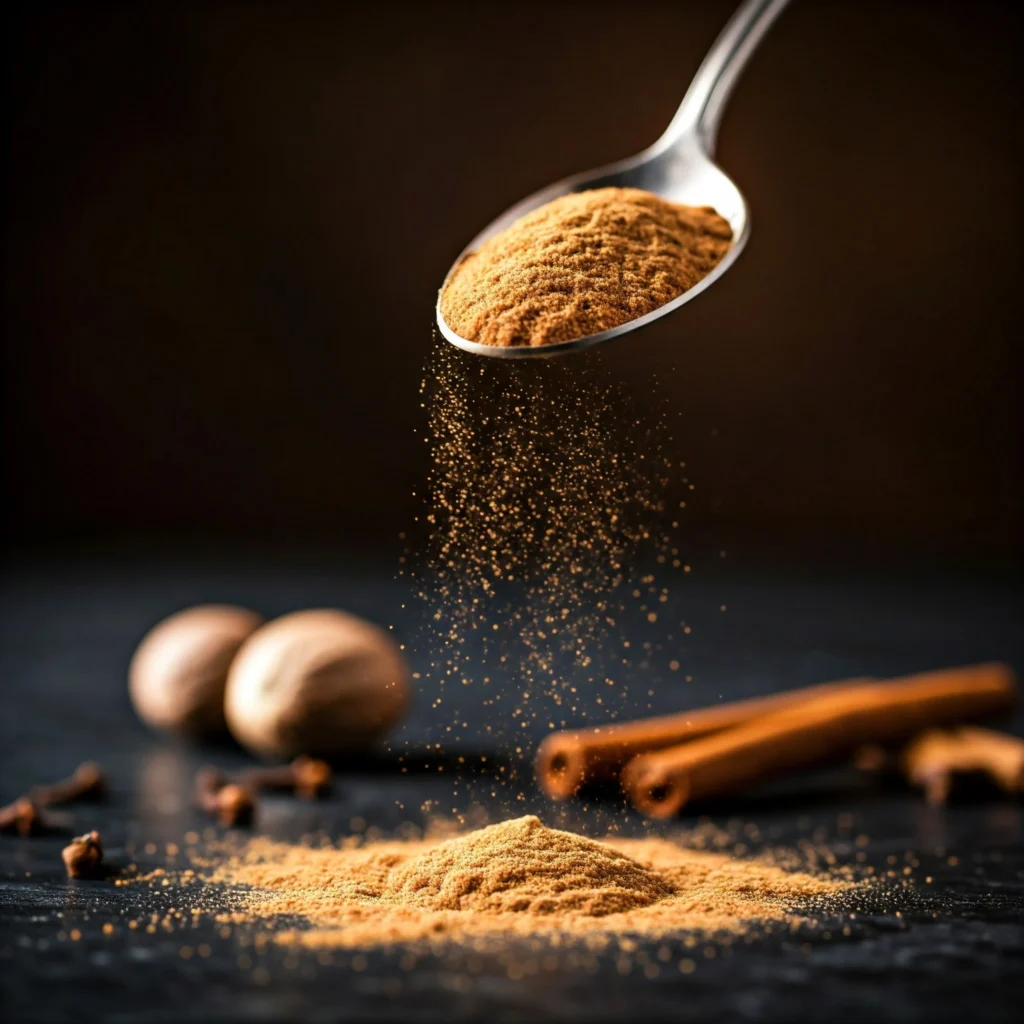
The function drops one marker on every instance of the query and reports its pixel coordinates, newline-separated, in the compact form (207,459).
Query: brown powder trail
(543,523)
(582,264)
(516,878)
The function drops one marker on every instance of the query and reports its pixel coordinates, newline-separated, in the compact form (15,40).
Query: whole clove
(83,856)
(306,777)
(22,817)
(231,803)
(88,782)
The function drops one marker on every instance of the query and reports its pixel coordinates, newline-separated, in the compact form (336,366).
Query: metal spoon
(678,167)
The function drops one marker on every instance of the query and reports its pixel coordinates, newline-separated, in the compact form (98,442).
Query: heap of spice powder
(517,877)
(582,264)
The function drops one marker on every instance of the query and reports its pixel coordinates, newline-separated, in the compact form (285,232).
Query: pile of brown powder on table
(515,878)
(582,264)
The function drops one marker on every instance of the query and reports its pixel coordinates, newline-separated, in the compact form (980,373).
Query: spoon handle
(701,110)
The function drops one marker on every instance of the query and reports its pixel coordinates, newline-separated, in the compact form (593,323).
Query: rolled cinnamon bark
(825,728)
(566,761)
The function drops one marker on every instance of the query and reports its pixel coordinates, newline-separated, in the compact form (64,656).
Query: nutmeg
(178,673)
(323,683)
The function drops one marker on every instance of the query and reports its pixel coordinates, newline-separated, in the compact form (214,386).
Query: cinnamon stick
(821,729)
(935,757)
(569,760)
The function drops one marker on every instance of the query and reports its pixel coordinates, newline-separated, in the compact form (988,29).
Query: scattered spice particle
(545,498)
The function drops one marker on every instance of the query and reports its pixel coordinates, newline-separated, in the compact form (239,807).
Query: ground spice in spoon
(582,264)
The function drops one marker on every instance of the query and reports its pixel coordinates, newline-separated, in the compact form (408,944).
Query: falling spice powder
(517,877)
(544,523)
(582,264)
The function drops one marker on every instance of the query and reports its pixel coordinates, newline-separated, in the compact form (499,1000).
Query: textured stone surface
(65,639)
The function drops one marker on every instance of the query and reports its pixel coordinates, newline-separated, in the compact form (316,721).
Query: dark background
(226,224)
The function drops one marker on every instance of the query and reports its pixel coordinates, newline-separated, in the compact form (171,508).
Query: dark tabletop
(954,950)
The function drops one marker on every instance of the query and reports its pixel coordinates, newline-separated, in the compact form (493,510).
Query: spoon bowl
(678,167)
